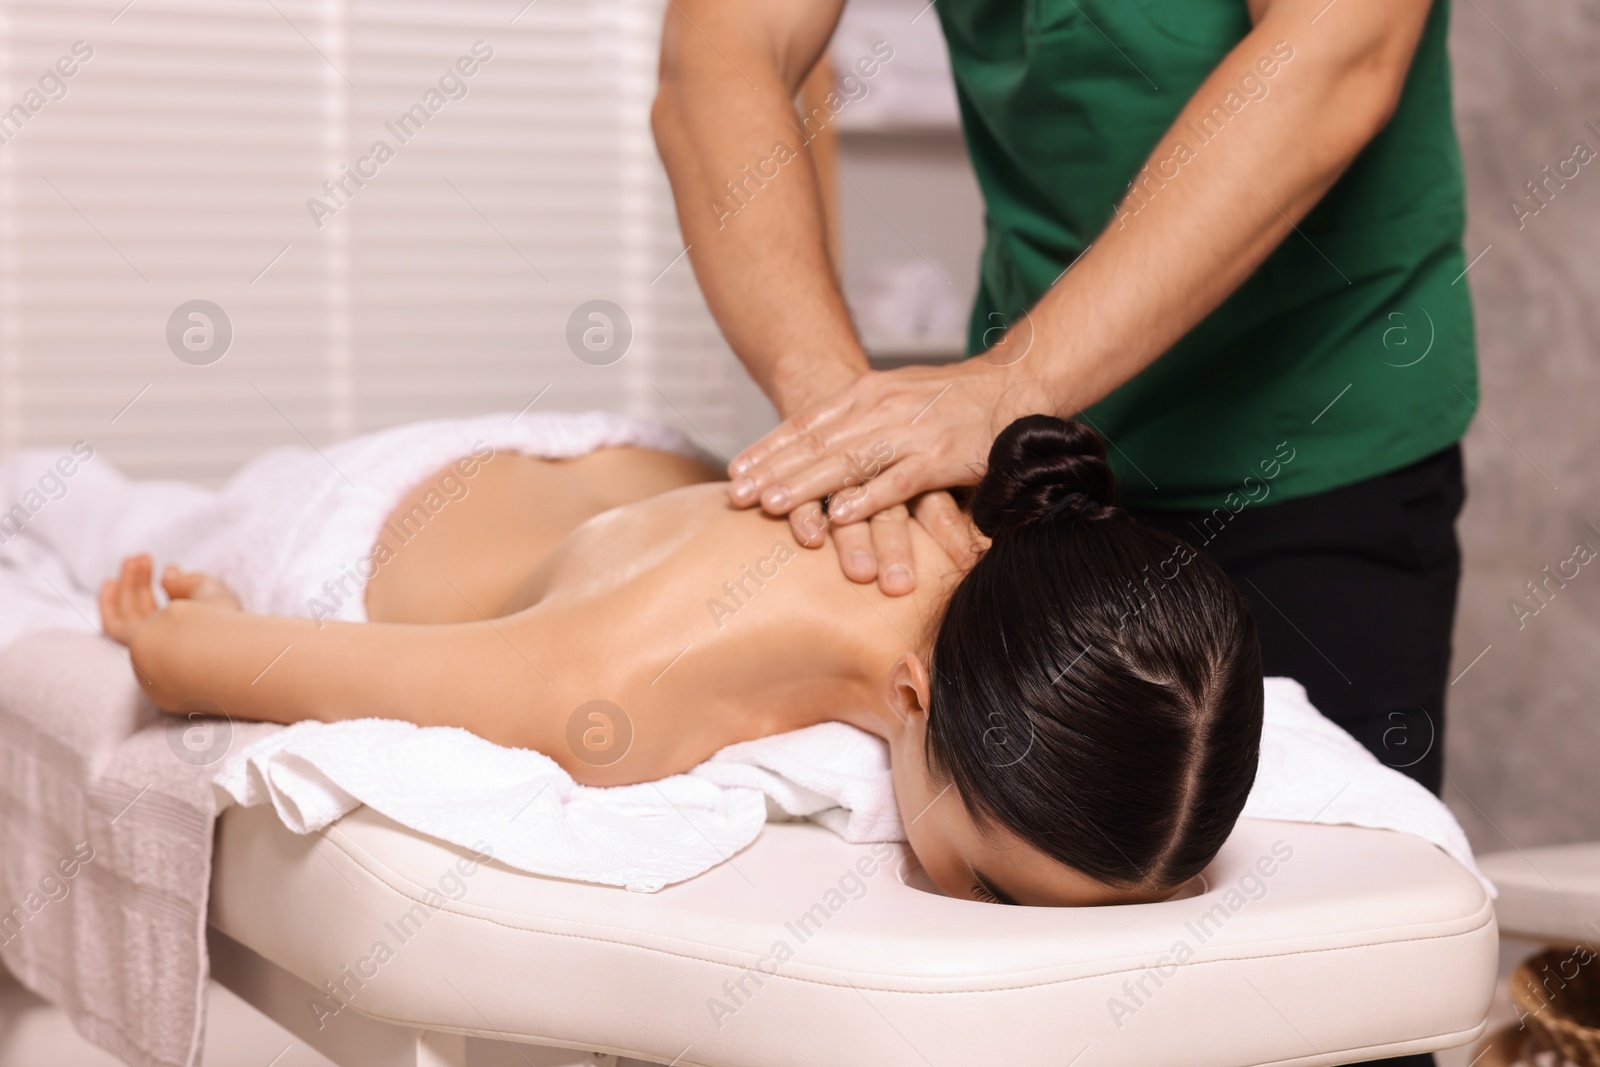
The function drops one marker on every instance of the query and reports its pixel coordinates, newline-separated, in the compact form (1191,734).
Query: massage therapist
(1225,234)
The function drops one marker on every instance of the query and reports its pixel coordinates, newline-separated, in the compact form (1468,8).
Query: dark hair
(1096,682)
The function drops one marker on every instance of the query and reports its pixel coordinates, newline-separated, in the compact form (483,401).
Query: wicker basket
(1557,994)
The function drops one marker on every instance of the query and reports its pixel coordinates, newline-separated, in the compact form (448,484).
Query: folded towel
(1313,771)
(455,786)
(831,773)
(452,785)
(534,816)
(105,844)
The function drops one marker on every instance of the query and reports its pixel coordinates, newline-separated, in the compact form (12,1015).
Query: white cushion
(1548,894)
(1360,943)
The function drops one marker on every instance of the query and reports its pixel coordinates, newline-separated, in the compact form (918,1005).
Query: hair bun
(1042,468)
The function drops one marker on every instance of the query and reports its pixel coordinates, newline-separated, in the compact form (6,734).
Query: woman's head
(1089,713)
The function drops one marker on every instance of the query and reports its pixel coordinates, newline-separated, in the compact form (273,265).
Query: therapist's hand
(889,437)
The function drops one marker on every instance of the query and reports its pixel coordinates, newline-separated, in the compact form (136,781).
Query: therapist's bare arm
(724,113)
(729,72)
(1150,276)
(1197,239)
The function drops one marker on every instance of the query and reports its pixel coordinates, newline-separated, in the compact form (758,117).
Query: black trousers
(1354,594)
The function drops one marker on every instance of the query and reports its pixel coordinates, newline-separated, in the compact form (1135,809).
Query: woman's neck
(833,642)
(711,626)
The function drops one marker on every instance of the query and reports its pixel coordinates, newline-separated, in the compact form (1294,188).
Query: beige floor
(35,1034)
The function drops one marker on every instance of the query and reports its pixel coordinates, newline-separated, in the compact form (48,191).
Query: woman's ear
(908,689)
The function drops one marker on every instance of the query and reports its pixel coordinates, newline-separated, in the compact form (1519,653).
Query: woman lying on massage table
(1072,720)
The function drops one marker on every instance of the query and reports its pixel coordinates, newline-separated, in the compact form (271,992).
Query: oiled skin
(555,583)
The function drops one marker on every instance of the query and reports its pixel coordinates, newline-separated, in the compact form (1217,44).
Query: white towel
(290,533)
(530,811)
(105,843)
(1313,771)
(451,785)
(455,786)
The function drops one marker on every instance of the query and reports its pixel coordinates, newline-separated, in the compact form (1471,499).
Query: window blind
(394,207)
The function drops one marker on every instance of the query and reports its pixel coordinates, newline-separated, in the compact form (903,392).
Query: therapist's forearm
(1173,255)
(721,110)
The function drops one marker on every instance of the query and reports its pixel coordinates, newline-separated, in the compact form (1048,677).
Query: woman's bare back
(628,579)
(476,552)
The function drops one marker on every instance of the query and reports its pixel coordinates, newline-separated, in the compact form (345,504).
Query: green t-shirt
(1350,349)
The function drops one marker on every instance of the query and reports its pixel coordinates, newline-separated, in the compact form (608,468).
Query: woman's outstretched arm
(202,649)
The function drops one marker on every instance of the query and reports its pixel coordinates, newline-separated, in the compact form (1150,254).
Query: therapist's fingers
(756,484)
(843,475)
(806,430)
(892,485)
(783,450)
(777,440)
(814,472)
(798,442)
(809,524)
(950,527)
(891,541)
(769,461)
(856,557)
(779,482)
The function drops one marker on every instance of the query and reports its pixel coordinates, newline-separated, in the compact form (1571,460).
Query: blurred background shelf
(906,217)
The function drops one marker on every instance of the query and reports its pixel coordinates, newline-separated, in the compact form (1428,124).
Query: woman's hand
(889,437)
(128,603)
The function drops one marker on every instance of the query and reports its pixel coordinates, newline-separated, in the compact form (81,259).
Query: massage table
(1301,944)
